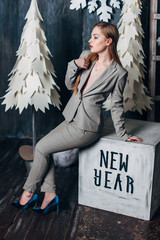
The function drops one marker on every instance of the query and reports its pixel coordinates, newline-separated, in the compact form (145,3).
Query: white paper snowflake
(104,8)
(92,6)
(115,3)
(77,4)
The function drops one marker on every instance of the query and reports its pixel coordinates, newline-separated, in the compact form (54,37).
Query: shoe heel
(36,204)
(57,208)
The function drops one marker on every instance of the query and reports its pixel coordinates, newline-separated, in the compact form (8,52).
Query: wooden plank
(156,16)
(96,224)
(22,224)
(156,58)
(12,176)
(58,225)
(157,98)
(40,225)
(71,233)
(3,148)
(11,159)
(9,213)
(68,205)
(152,52)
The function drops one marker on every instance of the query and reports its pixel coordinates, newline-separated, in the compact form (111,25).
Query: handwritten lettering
(119,181)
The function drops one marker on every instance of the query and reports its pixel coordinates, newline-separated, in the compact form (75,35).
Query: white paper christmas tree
(132,57)
(31,81)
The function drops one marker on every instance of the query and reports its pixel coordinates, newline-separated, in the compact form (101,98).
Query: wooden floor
(73,222)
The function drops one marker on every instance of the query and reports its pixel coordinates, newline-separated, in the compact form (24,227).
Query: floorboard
(74,222)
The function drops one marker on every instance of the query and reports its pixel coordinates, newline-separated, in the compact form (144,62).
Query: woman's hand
(82,62)
(134,138)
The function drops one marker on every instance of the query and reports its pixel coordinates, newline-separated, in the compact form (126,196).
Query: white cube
(122,177)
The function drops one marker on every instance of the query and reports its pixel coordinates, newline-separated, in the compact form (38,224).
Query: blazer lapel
(84,76)
(103,77)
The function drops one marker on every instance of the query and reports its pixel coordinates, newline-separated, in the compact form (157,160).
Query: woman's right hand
(134,138)
(82,62)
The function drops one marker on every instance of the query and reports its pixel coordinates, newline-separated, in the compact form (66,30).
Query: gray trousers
(64,137)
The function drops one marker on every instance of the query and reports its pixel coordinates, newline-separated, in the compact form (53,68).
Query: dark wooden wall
(67,32)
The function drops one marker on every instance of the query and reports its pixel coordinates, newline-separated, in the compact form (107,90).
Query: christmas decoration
(104,9)
(132,57)
(31,81)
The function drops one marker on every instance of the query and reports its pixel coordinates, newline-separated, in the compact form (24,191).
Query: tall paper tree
(31,81)
(131,54)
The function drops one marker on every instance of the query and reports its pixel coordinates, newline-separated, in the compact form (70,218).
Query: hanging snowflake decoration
(77,4)
(104,8)
(115,3)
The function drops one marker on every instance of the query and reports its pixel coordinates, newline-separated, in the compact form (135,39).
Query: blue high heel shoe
(52,205)
(32,201)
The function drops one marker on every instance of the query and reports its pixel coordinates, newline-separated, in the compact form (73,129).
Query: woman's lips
(90,46)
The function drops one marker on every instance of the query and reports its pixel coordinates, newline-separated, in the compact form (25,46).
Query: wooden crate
(122,177)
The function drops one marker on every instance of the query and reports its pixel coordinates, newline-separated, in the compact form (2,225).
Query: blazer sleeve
(73,70)
(117,111)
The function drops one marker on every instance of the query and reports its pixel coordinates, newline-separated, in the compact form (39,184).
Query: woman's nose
(89,40)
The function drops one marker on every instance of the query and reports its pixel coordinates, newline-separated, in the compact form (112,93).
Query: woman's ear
(108,41)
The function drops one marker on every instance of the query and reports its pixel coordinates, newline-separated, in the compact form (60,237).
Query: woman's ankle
(26,196)
(48,196)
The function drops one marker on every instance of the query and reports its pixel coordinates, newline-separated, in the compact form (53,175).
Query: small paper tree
(132,57)
(31,81)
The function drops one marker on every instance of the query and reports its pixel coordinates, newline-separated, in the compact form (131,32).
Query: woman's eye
(95,37)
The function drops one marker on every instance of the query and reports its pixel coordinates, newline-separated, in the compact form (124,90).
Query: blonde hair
(110,31)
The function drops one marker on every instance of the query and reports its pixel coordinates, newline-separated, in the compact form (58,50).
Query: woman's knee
(39,147)
(42,148)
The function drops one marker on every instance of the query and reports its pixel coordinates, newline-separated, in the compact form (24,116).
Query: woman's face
(98,41)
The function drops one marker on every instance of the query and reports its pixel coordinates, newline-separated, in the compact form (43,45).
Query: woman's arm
(73,69)
(71,74)
(117,111)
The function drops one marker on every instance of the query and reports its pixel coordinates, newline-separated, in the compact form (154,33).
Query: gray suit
(83,121)
(86,109)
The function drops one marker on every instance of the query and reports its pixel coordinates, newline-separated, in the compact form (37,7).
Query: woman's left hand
(134,138)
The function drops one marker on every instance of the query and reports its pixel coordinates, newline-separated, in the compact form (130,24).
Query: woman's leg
(42,171)
(65,136)
(39,168)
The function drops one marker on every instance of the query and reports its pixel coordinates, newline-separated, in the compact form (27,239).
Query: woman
(92,77)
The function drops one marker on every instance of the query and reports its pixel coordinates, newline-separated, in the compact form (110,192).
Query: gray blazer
(86,109)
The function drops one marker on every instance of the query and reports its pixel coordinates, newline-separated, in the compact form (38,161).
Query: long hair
(92,57)
(110,31)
